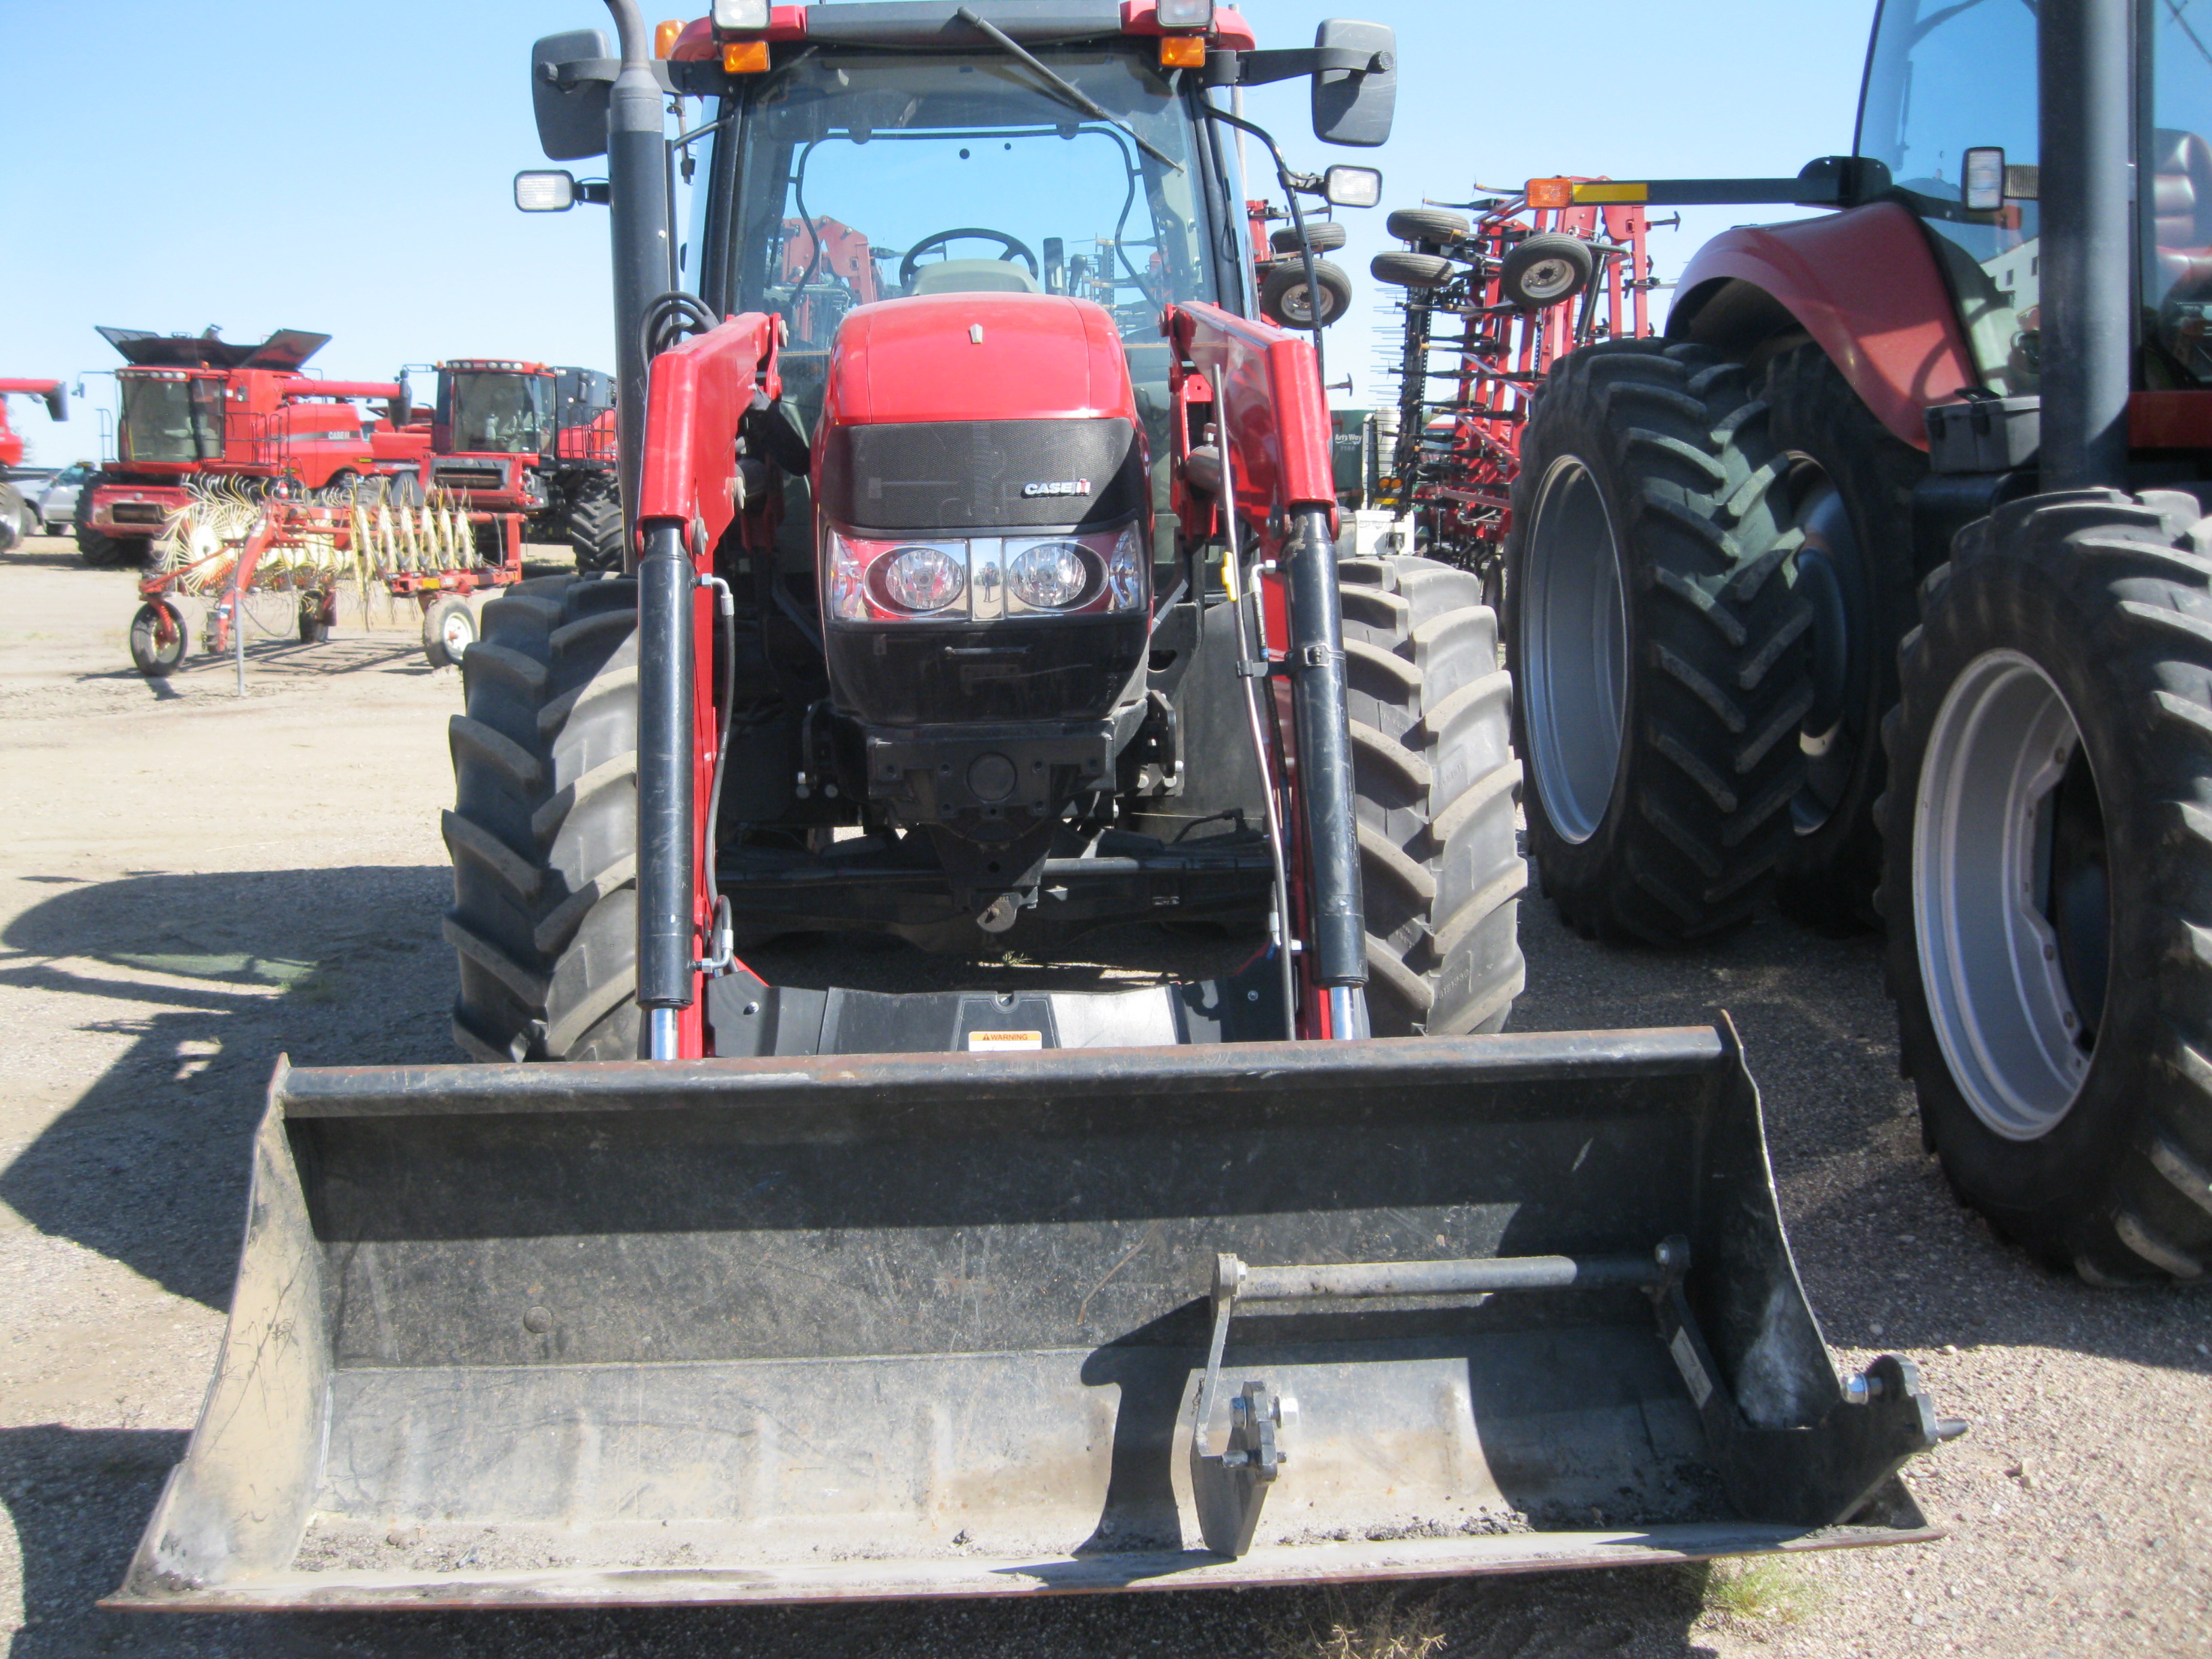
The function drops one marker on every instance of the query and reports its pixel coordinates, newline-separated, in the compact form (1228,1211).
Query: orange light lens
(664,36)
(1182,51)
(746,57)
(1550,192)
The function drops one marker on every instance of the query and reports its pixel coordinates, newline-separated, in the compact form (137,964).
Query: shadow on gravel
(212,976)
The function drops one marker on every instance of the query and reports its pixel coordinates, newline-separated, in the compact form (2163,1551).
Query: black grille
(135,512)
(956,475)
(468,478)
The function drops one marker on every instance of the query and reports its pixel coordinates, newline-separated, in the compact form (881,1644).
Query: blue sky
(345,168)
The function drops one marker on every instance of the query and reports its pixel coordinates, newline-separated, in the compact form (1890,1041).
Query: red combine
(998,609)
(199,407)
(534,441)
(18,518)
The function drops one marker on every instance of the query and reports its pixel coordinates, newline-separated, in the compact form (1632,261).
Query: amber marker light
(664,36)
(1550,192)
(746,57)
(1182,51)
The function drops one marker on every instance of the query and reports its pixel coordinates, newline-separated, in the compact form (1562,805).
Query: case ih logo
(1072,487)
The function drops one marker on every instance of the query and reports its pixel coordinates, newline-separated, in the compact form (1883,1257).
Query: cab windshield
(861,177)
(503,414)
(171,420)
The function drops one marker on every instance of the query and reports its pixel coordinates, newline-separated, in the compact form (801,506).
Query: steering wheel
(1013,245)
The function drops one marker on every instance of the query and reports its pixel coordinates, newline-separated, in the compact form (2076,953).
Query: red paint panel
(1866,287)
(1040,357)
(2170,420)
(700,390)
(1230,33)
(1277,423)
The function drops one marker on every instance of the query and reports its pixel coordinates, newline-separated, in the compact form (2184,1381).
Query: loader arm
(1275,435)
(691,490)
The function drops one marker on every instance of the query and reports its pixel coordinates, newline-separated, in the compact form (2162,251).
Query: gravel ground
(191,882)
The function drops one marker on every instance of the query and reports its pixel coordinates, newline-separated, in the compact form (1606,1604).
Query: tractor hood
(977,357)
(979,411)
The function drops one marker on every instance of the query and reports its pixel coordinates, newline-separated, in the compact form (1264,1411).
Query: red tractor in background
(1884,579)
(18,517)
(525,438)
(200,407)
(988,613)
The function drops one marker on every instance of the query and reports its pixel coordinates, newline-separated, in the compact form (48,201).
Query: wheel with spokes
(2047,878)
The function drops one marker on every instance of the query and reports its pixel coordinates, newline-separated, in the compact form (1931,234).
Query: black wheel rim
(1830,579)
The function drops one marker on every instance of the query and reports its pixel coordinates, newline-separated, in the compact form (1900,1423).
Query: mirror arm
(1260,68)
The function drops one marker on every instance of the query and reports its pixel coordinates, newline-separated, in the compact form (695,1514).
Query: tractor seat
(2182,197)
(975,277)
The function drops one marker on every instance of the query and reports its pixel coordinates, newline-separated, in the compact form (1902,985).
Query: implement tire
(595,525)
(1441,872)
(1658,647)
(2047,878)
(1851,490)
(16,517)
(543,833)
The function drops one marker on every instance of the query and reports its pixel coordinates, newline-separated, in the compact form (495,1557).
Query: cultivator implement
(1531,277)
(843,1326)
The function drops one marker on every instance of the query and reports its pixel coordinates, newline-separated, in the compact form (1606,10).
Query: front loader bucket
(873,1326)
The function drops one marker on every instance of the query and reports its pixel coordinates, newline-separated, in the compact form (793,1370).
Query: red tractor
(199,407)
(18,517)
(1882,579)
(986,613)
(528,439)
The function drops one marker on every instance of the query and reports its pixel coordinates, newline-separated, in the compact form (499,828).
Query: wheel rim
(1576,641)
(1547,281)
(1830,579)
(457,633)
(2009,905)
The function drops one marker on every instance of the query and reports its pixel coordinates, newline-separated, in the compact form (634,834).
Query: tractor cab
(1949,107)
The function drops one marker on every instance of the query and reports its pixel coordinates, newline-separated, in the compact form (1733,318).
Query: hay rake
(223,543)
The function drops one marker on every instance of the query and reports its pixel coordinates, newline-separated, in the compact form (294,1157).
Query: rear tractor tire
(544,832)
(1659,648)
(1441,874)
(1849,501)
(2047,878)
(595,526)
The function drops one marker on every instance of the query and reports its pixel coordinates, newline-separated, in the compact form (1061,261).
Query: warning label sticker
(994,1042)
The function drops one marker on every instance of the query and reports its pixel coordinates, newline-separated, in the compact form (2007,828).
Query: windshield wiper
(1069,93)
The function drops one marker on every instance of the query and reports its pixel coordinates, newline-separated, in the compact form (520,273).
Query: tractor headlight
(922,579)
(1050,575)
(1125,572)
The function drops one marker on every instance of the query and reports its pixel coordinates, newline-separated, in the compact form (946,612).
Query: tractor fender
(1863,283)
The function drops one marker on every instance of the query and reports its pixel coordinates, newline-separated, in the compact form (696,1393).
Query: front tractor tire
(595,525)
(99,549)
(543,830)
(2047,878)
(1441,872)
(1659,649)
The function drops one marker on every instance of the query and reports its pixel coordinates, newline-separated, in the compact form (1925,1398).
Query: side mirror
(544,192)
(571,108)
(1355,106)
(1359,187)
(1982,180)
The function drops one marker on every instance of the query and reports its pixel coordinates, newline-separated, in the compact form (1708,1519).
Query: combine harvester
(18,518)
(534,441)
(1882,581)
(198,407)
(708,1289)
